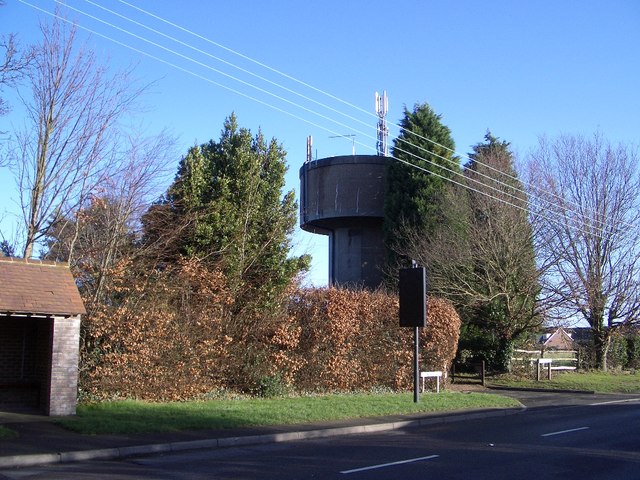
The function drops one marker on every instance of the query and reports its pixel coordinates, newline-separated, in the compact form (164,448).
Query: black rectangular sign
(413,297)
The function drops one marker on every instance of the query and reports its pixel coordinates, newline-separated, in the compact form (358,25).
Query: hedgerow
(177,335)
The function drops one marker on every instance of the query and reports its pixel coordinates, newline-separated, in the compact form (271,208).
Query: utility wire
(204,65)
(226,62)
(177,67)
(245,57)
(284,111)
(294,104)
(447,159)
(333,97)
(444,167)
(530,186)
(277,85)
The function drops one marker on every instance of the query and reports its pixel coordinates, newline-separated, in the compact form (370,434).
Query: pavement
(41,441)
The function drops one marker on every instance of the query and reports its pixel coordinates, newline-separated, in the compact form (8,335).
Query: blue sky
(521,69)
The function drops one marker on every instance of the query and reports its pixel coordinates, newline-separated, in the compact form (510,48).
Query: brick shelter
(40,309)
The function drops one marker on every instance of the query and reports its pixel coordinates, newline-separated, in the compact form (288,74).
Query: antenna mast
(382,107)
(352,136)
(309,148)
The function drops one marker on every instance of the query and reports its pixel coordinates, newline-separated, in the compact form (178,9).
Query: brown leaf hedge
(177,335)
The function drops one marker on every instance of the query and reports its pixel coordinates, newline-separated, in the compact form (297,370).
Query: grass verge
(602,382)
(140,417)
(7,433)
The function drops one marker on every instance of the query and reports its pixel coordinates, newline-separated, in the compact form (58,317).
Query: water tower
(343,197)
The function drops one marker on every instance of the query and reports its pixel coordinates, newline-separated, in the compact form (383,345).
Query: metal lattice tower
(382,107)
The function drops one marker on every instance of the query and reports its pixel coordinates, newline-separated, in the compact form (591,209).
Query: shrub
(161,337)
(633,351)
(176,335)
(440,337)
(271,386)
(351,340)
(617,353)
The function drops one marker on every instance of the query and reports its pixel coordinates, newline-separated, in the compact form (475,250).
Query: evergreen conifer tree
(416,197)
(503,281)
(227,199)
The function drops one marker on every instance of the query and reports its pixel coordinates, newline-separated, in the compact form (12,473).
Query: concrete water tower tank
(343,197)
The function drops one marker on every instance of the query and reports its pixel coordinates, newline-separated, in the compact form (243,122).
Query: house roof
(559,337)
(37,287)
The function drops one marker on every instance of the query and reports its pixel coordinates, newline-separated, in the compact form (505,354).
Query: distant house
(582,335)
(40,309)
(559,339)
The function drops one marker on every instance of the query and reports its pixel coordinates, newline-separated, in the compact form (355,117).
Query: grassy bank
(139,417)
(7,433)
(604,382)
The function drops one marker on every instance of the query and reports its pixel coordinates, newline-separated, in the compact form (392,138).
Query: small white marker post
(547,362)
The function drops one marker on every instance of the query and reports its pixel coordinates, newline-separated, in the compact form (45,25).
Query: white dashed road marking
(382,465)
(564,431)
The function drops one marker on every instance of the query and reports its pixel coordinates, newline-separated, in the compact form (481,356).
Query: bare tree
(13,65)
(107,227)
(586,209)
(65,151)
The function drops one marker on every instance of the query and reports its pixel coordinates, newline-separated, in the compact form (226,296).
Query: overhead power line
(306,120)
(214,57)
(245,57)
(447,159)
(333,97)
(280,98)
(431,162)
(531,187)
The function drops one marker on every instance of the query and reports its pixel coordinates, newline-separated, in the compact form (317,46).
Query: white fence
(561,359)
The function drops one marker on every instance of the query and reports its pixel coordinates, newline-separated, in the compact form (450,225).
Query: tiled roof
(38,288)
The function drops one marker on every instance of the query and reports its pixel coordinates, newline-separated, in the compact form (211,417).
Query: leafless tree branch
(68,148)
(587,218)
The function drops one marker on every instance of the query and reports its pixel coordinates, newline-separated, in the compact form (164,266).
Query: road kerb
(32,460)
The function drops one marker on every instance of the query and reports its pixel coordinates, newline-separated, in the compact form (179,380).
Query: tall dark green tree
(482,257)
(227,201)
(503,274)
(416,198)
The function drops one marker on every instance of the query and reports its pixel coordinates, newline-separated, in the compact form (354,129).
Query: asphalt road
(563,436)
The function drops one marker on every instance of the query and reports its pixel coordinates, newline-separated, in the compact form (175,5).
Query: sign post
(416,365)
(413,313)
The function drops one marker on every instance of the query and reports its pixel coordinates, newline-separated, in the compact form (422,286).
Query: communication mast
(309,148)
(353,141)
(382,107)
